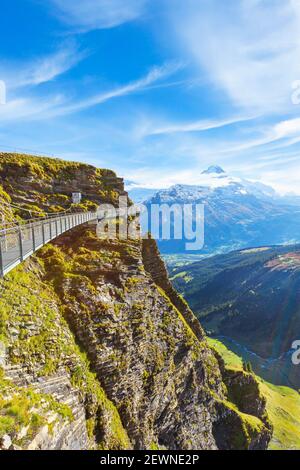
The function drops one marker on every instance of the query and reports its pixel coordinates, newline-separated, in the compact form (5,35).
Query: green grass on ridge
(283,404)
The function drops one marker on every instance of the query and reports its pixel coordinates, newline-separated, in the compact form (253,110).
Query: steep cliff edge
(49,397)
(100,351)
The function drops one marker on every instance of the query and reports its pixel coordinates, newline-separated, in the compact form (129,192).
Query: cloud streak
(195,126)
(42,69)
(250,49)
(98,14)
(155,75)
(54,106)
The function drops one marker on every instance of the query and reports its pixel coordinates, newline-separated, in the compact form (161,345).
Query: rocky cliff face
(43,185)
(50,399)
(99,351)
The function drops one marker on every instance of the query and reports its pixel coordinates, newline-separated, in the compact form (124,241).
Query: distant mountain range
(250,299)
(139,194)
(238,212)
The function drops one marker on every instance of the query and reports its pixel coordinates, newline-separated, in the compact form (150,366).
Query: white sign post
(76,198)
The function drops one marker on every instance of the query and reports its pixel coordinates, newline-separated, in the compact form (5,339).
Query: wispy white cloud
(283,178)
(47,107)
(86,15)
(186,127)
(246,152)
(250,49)
(289,127)
(155,75)
(41,69)
(282,174)
(266,137)
(29,109)
(150,177)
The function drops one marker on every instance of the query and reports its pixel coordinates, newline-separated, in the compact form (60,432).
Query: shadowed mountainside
(252,299)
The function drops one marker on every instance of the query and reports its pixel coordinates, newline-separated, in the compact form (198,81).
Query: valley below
(250,298)
(149,231)
(283,403)
(99,351)
(275,370)
(248,303)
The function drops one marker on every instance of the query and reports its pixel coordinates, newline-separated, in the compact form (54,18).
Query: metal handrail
(17,223)
(30,222)
(21,241)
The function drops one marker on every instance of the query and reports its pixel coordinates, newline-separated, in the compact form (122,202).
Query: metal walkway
(19,242)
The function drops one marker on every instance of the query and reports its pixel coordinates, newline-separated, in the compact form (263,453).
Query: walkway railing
(19,242)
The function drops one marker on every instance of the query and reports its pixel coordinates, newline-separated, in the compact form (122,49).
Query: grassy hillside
(283,404)
(250,298)
(35,186)
(93,324)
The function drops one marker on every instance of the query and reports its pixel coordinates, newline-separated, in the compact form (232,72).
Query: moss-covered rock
(100,350)
(46,378)
(38,185)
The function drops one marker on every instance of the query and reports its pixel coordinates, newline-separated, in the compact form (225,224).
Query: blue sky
(155,89)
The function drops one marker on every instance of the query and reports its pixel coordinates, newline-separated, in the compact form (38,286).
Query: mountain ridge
(256,311)
(101,352)
(238,213)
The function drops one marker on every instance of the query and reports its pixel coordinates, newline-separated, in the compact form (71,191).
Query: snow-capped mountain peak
(214,169)
(213,179)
